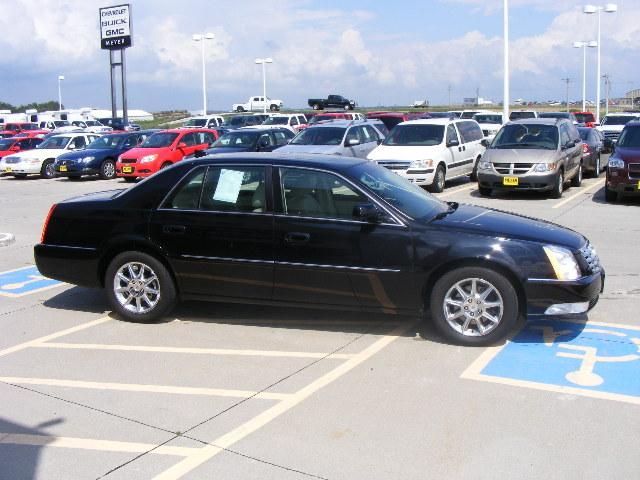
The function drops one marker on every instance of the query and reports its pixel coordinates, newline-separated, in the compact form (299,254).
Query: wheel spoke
(485,294)
(465,325)
(127,301)
(122,289)
(453,316)
(131,272)
(150,280)
(138,305)
(490,317)
(462,293)
(455,303)
(492,304)
(474,287)
(481,327)
(152,291)
(122,277)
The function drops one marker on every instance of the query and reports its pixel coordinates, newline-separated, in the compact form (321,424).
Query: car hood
(385,152)
(630,155)
(143,152)
(40,153)
(89,152)
(496,223)
(326,149)
(610,128)
(522,155)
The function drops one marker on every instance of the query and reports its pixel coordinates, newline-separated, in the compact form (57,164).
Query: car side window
(469,131)
(280,138)
(372,133)
(452,135)
(234,189)
(189,139)
(78,142)
(365,135)
(187,195)
(564,135)
(293,121)
(310,193)
(130,141)
(352,134)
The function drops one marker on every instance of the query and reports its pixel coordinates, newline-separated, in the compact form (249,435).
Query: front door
(324,256)
(217,229)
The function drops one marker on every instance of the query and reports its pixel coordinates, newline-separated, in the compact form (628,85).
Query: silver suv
(351,138)
(532,154)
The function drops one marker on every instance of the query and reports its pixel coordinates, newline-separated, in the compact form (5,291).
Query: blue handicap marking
(596,357)
(24,281)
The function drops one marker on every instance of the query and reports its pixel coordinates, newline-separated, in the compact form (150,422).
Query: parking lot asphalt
(252,392)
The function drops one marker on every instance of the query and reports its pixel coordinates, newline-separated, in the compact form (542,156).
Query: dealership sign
(115,27)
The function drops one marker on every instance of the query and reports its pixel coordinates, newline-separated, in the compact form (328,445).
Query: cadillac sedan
(316,231)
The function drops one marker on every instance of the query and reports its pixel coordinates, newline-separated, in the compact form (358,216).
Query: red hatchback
(11,129)
(17,144)
(161,150)
(587,118)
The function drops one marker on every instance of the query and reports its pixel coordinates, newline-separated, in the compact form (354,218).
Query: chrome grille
(394,165)
(512,168)
(611,135)
(590,256)
(128,160)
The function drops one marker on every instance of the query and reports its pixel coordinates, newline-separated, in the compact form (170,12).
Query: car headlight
(88,159)
(616,163)
(148,158)
(421,164)
(484,165)
(544,167)
(563,262)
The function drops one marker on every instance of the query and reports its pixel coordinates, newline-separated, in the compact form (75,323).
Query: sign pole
(114,111)
(123,69)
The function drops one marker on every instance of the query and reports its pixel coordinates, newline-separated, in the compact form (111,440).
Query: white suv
(291,121)
(427,152)
(611,125)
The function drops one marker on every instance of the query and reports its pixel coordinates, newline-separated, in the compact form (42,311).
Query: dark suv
(623,172)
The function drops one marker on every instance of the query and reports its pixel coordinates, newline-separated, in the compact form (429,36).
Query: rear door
(455,153)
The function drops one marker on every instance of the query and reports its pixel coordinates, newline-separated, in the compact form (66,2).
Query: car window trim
(278,187)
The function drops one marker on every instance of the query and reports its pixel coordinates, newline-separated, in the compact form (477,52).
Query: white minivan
(428,152)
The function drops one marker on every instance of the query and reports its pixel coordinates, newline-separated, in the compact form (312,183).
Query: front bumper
(74,169)
(528,181)
(542,294)
(21,168)
(619,180)
(135,170)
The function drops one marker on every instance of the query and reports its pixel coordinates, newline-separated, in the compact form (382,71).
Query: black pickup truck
(332,101)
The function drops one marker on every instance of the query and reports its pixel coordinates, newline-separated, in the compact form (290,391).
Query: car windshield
(617,119)
(320,136)
(108,141)
(61,123)
(195,122)
(630,137)
(520,115)
(415,135)
(237,140)
(236,121)
(159,140)
(276,121)
(55,142)
(5,144)
(555,115)
(397,191)
(544,137)
(482,118)
(584,117)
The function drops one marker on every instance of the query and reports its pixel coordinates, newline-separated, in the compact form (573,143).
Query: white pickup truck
(257,103)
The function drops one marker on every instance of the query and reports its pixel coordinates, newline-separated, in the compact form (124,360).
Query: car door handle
(297,238)
(174,229)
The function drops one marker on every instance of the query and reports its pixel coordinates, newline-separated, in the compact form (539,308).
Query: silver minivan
(532,154)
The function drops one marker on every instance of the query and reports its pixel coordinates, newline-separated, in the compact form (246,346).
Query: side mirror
(379,142)
(484,142)
(182,145)
(366,212)
(352,142)
(453,143)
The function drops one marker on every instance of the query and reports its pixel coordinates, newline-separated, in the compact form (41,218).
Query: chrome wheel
(596,172)
(473,307)
(108,169)
(136,287)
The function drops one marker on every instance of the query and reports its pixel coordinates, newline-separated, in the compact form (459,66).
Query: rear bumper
(540,182)
(542,293)
(75,265)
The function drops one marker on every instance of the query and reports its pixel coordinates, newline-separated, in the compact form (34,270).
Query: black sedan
(594,145)
(250,139)
(316,231)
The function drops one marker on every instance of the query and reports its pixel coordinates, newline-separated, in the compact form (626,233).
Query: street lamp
(263,61)
(202,38)
(505,85)
(583,46)
(60,78)
(590,9)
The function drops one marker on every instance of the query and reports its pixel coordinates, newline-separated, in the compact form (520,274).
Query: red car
(161,150)
(11,129)
(587,118)
(17,144)
(391,119)
(32,134)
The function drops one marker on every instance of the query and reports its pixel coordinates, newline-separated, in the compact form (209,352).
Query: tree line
(40,107)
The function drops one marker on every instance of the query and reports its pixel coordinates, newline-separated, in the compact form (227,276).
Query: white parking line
(91,444)
(225,441)
(134,387)
(461,189)
(579,192)
(189,350)
(61,333)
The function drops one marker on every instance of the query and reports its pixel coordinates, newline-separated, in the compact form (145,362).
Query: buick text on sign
(115,27)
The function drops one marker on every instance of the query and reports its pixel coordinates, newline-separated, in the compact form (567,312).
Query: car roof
(331,162)
(124,134)
(536,121)
(432,121)
(622,114)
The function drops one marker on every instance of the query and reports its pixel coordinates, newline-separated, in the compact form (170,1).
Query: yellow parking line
(92,444)
(471,186)
(201,351)
(134,387)
(53,336)
(225,441)
(578,193)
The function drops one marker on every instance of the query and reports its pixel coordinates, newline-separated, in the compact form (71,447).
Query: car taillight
(46,223)
(585,148)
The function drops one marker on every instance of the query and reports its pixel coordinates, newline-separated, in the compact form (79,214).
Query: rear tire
(316,106)
(239,109)
(559,186)
(273,108)
(485,191)
(487,319)
(439,180)
(139,287)
(576,181)
(107,169)
(597,168)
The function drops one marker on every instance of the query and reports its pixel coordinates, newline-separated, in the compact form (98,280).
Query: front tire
(139,287)
(485,191)
(610,195)
(474,306)
(439,180)
(107,169)
(559,186)
(47,170)
(316,106)
(239,109)
(474,173)
(273,108)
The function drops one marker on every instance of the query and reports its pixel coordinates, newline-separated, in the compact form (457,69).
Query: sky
(378,52)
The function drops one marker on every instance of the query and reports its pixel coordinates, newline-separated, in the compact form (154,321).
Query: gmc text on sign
(115,27)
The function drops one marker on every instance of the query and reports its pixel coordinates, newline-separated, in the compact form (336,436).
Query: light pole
(589,9)
(60,78)
(202,38)
(583,46)
(264,61)
(505,86)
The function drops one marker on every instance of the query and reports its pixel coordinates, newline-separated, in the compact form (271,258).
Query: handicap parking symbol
(593,359)
(24,281)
